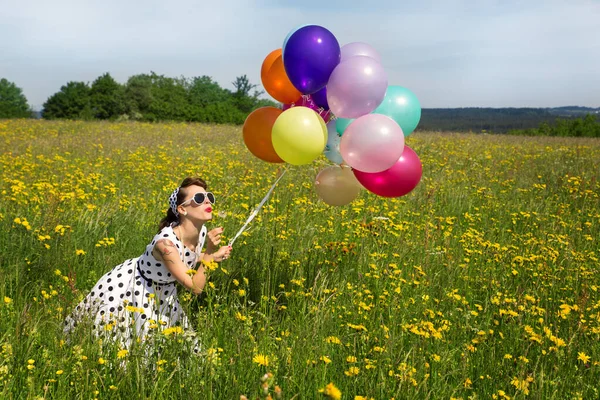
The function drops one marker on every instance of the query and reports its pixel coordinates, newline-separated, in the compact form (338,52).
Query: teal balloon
(401,105)
(342,123)
(288,38)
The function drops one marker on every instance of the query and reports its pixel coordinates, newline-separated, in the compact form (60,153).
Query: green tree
(202,91)
(242,98)
(13,103)
(107,98)
(71,102)
(169,99)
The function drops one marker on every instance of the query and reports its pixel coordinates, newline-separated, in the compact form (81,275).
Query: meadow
(484,282)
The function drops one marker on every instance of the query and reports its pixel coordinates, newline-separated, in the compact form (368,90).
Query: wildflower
(241,292)
(59,372)
(331,391)
(101,361)
(333,340)
(79,252)
(7,300)
(261,359)
(325,359)
(122,353)
(583,357)
(351,359)
(353,371)
(173,330)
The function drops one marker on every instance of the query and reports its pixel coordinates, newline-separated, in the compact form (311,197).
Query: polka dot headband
(173,202)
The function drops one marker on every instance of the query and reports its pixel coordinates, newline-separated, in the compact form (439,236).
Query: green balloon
(401,105)
(341,124)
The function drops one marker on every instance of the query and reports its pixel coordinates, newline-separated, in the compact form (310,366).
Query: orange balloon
(276,81)
(257,133)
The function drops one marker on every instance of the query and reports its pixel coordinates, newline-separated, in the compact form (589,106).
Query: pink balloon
(356,87)
(372,143)
(359,49)
(397,181)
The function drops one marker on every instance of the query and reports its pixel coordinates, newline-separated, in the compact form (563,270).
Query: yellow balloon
(299,135)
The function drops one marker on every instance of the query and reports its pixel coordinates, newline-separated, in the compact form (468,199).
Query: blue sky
(449,53)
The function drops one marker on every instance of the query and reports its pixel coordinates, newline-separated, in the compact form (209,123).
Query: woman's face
(202,211)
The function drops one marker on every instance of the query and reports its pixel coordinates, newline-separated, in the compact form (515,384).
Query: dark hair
(171,217)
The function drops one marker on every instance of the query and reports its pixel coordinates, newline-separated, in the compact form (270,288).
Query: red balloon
(396,181)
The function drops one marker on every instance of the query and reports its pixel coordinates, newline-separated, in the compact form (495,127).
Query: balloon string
(257,209)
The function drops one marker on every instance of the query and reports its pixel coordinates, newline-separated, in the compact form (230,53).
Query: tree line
(153,97)
(144,97)
(589,126)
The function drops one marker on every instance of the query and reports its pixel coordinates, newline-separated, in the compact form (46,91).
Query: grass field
(484,282)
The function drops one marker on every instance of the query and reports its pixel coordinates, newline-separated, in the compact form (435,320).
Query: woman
(140,295)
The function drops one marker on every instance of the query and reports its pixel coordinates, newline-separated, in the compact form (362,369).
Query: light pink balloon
(372,143)
(359,49)
(356,87)
(397,181)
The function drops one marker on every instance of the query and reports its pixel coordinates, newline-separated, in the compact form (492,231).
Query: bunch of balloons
(336,100)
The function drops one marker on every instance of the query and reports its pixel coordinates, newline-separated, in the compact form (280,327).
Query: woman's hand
(214,239)
(222,254)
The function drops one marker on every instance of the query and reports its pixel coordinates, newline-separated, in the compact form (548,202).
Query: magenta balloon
(359,49)
(397,181)
(356,87)
(372,143)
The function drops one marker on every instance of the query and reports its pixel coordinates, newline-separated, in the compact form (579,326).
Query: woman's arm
(166,252)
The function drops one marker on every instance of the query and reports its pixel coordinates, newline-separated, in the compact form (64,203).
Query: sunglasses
(200,197)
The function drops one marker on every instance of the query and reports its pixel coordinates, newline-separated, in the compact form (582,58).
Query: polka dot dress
(136,296)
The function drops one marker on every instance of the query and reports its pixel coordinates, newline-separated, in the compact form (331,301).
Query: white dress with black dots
(136,296)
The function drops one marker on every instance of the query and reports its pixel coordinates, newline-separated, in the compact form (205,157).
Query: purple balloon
(308,101)
(359,49)
(356,87)
(397,181)
(310,56)
(320,98)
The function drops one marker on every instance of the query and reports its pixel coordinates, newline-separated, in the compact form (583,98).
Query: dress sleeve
(168,233)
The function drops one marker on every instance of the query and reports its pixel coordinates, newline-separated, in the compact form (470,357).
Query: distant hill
(496,120)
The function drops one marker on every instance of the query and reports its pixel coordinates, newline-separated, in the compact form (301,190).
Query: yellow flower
(333,339)
(59,372)
(351,359)
(173,330)
(241,292)
(331,391)
(353,371)
(7,300)
(79,252)
(122,353)
(325,359)
(101,361)
(261,359)
(583,357)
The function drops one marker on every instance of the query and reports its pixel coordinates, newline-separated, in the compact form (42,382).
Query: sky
(451,53)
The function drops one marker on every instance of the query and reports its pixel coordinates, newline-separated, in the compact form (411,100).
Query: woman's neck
(188,233)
